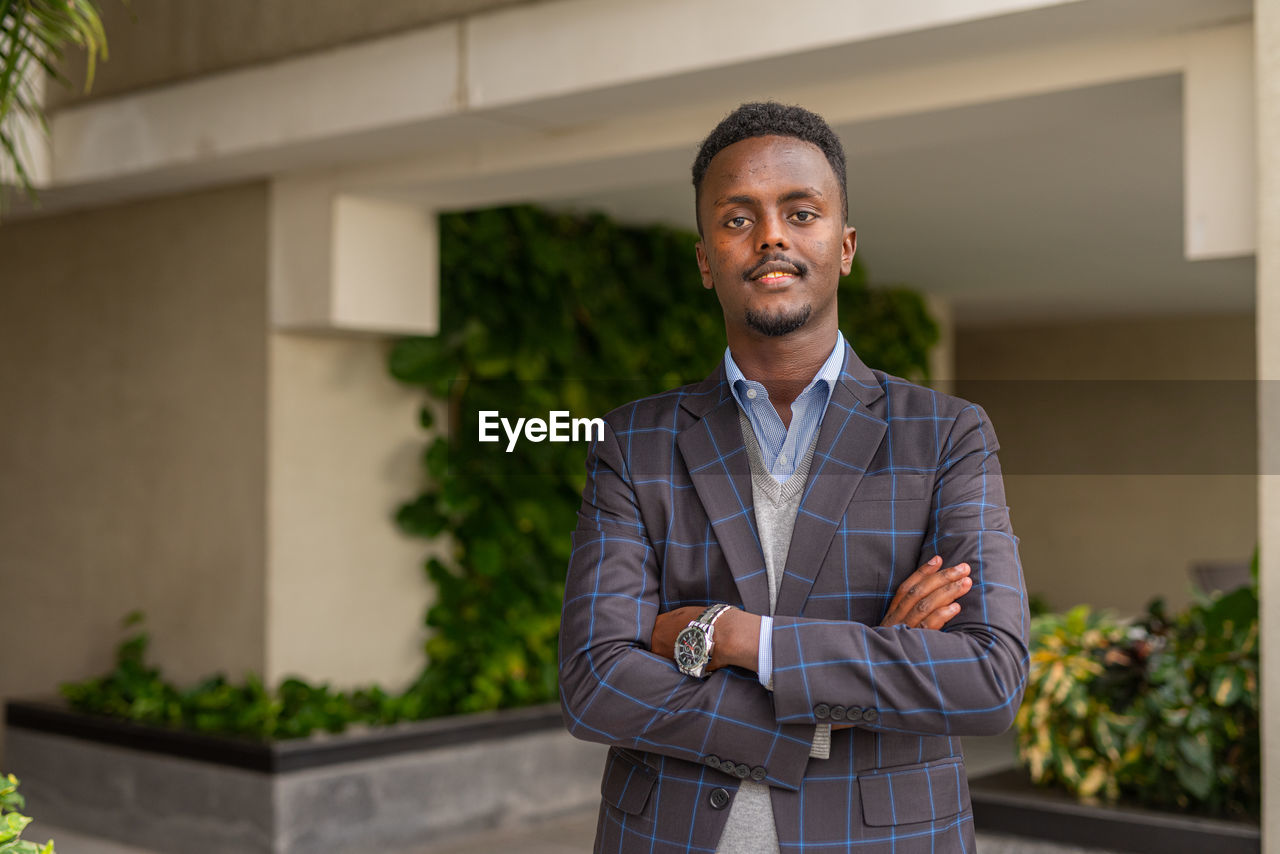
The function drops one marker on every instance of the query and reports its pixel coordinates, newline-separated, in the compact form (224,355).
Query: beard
(779,323)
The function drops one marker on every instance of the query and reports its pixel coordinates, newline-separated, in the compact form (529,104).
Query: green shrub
(1162,712)
(139,692)
(13,822)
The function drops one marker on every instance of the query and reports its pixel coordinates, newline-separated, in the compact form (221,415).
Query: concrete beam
(1219,150)
(452,86)
(346,263)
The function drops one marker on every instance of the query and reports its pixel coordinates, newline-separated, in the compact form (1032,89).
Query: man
(761,612)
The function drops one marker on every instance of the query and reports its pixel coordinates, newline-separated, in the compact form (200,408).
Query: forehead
(769,163)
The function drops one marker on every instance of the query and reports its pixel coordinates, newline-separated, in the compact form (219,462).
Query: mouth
(776,277)
(776,272)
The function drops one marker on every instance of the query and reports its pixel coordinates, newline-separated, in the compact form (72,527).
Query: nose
(772,232)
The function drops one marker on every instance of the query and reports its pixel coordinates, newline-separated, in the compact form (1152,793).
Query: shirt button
(782,459)
(751,393)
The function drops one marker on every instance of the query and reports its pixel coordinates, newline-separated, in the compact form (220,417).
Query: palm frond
(34,35)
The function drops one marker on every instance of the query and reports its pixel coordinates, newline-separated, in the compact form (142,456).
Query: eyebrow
(793,195)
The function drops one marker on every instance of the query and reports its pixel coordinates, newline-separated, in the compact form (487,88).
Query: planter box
(378,790)
(1008,803)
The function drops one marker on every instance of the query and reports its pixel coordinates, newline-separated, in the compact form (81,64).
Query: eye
(737,222)
(804,216)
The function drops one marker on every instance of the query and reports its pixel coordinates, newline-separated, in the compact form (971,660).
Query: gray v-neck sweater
(750,828)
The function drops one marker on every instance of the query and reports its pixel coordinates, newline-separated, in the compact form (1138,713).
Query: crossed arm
(620,686)
(925,600)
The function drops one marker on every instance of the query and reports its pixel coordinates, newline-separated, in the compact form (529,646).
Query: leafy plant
(13,822)
(138,692)
(1163,712)
(33,36)
(548,312)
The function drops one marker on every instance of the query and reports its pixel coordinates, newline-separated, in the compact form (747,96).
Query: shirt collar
(827,374)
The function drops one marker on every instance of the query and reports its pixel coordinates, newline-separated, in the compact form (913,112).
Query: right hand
(927,599)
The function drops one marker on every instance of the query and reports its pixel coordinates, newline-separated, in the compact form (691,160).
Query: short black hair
(769,118)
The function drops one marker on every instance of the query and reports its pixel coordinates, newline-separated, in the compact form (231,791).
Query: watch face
(691,648)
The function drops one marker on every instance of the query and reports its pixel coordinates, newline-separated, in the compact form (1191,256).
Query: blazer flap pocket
(894,487)
(627,781)
(909,793)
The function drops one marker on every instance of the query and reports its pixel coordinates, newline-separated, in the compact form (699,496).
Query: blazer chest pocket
(627,782)
(889,487)
(911,793)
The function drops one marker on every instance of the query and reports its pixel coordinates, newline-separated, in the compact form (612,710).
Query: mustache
(779,259)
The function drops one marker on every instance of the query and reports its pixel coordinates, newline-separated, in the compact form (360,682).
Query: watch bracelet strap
(713,613)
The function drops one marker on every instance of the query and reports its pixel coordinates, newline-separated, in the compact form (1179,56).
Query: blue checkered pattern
(899,473)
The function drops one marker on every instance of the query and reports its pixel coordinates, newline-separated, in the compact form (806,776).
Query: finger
(941,617)
(915,606)
(955,586)
(913,581)
(935,610)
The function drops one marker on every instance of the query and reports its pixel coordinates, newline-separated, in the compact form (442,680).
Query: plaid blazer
(899,473)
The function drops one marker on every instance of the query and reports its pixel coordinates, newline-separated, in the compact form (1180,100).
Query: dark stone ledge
(1007,802)
(285,755)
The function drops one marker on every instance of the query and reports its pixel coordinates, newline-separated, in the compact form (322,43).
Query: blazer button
(837,713)
(870,715)
(713,761)
(758,773)
(822,711)
(719,799)
(854,713)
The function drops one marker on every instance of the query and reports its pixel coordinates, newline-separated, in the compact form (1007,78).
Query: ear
(849,246)
(703,267)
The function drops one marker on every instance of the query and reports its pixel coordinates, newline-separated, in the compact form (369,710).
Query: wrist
(737,640)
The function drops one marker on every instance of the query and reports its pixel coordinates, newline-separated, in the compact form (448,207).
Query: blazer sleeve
(612,689)
(968,678)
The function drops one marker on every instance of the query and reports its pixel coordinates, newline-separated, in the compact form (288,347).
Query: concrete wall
(1117,539)
(133,373)
(153,42)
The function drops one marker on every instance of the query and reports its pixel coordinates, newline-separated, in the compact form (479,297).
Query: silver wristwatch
(694,643)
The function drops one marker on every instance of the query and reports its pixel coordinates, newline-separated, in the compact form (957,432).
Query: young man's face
(774,243)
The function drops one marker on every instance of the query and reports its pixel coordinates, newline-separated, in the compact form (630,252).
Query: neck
(784,365)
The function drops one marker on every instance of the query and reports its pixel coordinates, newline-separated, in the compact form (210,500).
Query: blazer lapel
(716,457)
(847,441)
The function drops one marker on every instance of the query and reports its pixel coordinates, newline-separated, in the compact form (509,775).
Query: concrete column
(344,593)
(1267,57)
